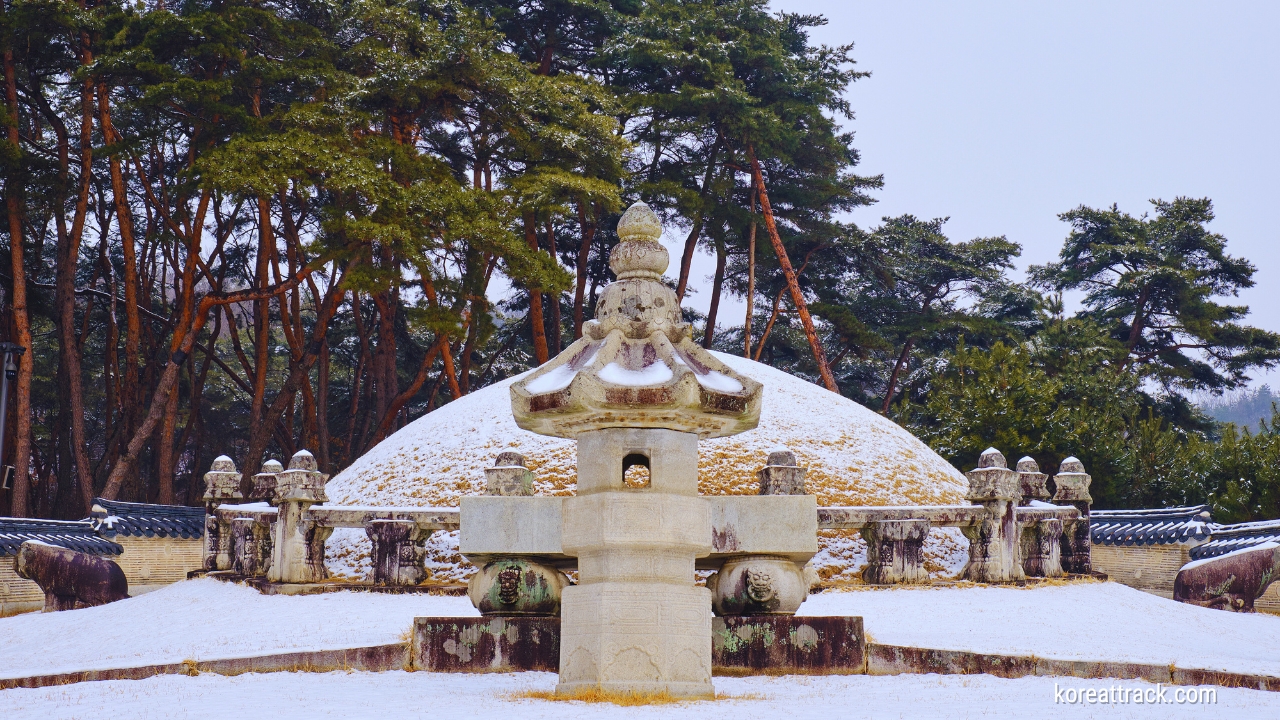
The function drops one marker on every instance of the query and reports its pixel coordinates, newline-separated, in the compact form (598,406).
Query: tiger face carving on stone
(759,585)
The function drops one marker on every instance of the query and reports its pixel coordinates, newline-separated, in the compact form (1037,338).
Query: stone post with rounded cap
(298,546)
(221,485)
(993,540)
(635,390)
(1039,540)
(1073,489)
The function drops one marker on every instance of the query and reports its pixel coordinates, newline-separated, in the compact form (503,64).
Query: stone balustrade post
(993,541)
(264,483)
(399,550)
(298,546)
(253,545)
(782,475)
(508,476)
(1073,489)
(1032,483)
(1039,540)
(222,484)
(514,585)
(895,552)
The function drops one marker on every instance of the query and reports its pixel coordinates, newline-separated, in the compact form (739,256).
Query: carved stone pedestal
(486,644)
(635,622)
(252,547)
(222,484)
(1042,548)
(399,549)
(895,552)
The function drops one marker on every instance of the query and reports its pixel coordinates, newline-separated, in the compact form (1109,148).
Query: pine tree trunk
(64,293)
(555,299)
(21,492)
(893,376)
(751,280)
(322,407)
(797,298)
(584,257)
(129,395)
(261,317)
(535,299)
(691,242)
(686,258)
(709,333)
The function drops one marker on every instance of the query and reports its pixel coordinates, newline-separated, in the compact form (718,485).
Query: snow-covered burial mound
(854,456)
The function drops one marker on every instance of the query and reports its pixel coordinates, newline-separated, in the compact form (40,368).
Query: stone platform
(486,644)
(788,645)
(766,644)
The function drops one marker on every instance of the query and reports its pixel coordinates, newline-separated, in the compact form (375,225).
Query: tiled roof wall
(112,517)
(1151,527)
(77,535)
(1228,538)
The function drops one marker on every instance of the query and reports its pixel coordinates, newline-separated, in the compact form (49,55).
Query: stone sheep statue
(70,579)
(1229,582)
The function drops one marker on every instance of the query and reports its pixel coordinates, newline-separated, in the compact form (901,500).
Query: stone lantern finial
(636,365)
(639,254)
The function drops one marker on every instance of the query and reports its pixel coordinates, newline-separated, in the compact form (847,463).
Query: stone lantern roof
(636,364)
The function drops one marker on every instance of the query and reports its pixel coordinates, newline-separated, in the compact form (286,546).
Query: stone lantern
(637,394)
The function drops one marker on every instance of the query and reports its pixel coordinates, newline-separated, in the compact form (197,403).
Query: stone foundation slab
(786,645)
(486,644)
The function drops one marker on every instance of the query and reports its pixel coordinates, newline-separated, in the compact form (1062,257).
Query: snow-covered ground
(1083,621)
(286,696)
(207,620)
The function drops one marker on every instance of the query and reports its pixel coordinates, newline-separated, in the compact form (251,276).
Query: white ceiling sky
(1000,115)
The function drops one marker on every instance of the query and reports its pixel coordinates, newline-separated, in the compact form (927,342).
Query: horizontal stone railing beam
(357,516)
(260,512)
(1065,513)
(856,518)
(348,516)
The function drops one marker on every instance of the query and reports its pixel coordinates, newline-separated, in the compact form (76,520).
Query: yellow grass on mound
(624,699)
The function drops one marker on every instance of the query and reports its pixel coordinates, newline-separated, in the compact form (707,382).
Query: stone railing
(1012,532)
(276,527)
(280,533)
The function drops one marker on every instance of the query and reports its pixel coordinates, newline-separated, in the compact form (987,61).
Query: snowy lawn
(286,696)
(1085,621)
(207,620)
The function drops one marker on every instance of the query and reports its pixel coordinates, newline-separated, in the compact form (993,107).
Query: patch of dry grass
(623,699)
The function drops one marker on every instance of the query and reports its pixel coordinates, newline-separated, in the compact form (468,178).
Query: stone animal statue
(1229,582)
(70,579)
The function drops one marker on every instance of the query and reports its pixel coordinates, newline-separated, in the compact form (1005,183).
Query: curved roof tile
(74,535)
(113,517)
